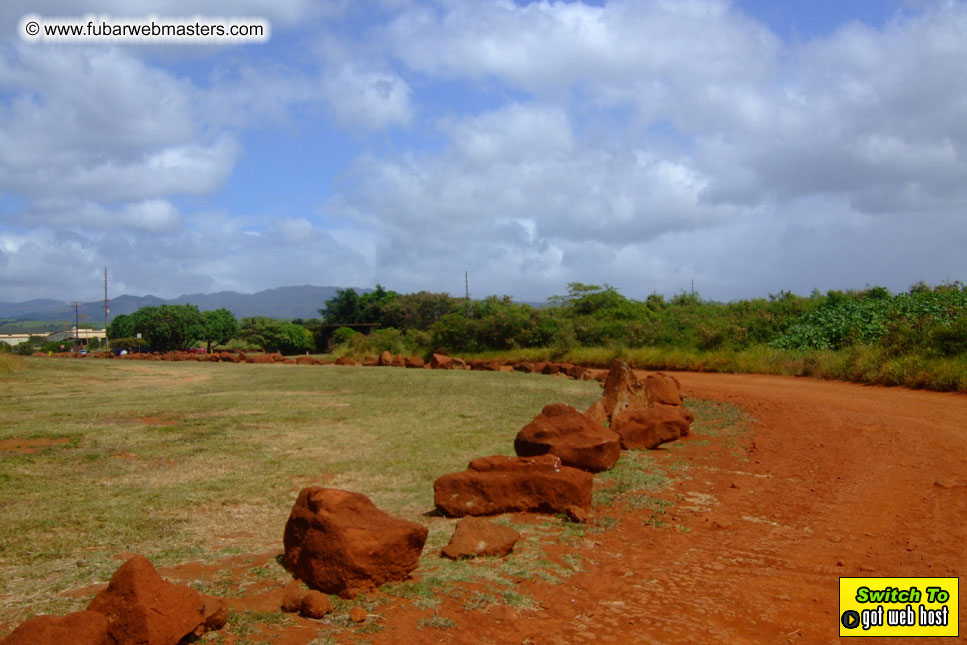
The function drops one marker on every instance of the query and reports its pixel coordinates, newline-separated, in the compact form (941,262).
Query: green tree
(296,339)
(169,327)
(122,326)
(262,332)
(343,309)
(221,326)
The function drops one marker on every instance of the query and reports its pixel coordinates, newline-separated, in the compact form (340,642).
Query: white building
(82,335)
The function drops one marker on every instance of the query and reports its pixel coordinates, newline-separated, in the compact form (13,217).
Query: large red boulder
(385,359)
(344,360)
(500,484)
(661,389)
(78,628)
(647,428)
(142,608)
(414,362)
(481,365)
(622,390)
(441,362)
(338,542)
(475,536)
(574,437)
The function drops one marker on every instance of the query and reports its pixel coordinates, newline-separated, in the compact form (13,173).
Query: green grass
(197,461)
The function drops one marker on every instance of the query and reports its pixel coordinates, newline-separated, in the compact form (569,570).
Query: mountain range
(282,302)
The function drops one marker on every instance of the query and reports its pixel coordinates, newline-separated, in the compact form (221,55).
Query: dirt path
(834,480)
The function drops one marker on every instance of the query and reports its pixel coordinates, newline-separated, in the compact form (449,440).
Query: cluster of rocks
(138,607)
(385,359)
(560,449)
(338,542)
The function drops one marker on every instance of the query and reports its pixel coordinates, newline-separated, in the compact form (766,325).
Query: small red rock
(576,514)
(358,614)
(292,595)
(315,604)
(475,536)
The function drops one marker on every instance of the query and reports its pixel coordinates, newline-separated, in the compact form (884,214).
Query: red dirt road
(833,480)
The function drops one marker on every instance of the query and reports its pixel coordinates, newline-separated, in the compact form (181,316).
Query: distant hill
(282,302)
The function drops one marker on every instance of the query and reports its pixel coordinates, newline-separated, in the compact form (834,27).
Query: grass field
(200,461)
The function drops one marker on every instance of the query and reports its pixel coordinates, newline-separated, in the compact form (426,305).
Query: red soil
(28,446)
(834,479)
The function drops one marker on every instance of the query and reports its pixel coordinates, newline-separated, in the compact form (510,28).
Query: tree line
(924,320)
(179,327)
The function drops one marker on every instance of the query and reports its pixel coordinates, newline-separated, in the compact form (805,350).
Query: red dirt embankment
(836,480)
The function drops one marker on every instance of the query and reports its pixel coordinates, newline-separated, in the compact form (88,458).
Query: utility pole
(466,286)
(77,330)
(107,310)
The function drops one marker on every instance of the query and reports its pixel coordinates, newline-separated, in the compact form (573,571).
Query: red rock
(475,536)
(78,628)
(539,367)
(142,608)
(216,613)
(385,359)
(661,389)
(578,440)
(339,542)
(315,604)
(441,362)
(550,369)
(398,361)
(343,360)
(358,614)
(525,367)
(500,484)
(647,428)
(576,514)
(414,362)
(597,413)
(292,595)
(622,390)
(305,359)
(484,366)
(370,361)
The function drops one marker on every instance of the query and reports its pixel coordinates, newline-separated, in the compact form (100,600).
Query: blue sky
(750,146)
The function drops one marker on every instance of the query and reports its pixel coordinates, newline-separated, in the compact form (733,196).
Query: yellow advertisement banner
(899,606)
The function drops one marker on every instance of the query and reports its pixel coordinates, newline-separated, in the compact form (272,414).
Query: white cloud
(366,97)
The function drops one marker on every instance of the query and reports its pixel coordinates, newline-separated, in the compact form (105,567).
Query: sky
(744,147)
